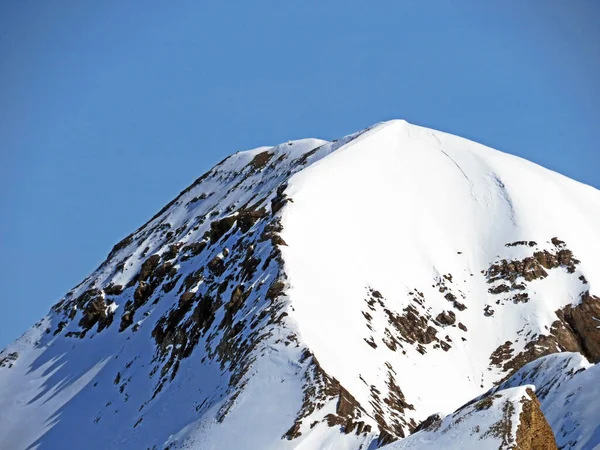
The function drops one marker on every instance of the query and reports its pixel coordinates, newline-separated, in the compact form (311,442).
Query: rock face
(533,431)
(329,295)
(575,330)
(583,321)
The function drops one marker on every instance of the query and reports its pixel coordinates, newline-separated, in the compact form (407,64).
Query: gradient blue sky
(110,108)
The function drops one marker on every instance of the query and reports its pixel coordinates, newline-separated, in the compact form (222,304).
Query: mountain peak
(321,294)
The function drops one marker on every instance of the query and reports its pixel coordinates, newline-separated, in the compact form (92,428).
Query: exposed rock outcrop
(533,431)
(575,330)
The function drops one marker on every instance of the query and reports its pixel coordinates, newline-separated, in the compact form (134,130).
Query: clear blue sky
(110,108)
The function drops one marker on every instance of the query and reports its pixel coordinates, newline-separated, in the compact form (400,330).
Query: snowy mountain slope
(568,388)
(156,346)
(315,295)
(451,209)
(508,419)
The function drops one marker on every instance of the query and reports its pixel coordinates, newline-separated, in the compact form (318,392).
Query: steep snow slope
(415,215)
(314,295)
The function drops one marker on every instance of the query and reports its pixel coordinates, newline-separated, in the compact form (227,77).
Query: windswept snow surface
(311,295)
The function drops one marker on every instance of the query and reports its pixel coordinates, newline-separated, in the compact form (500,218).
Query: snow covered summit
(318,295)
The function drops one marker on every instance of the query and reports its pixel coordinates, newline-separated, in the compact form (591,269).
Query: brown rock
(279,200)
(446,318)
(195,248)
(260,160)
(247,218)
(432,423)
(163,270)
(142,293)
(583,321)
(93,309)
(126,320)
(186,297)
(412,325)
(148,267)
(275,290)
(533,431)
(219,227)
(217,266)
(171,253)
(499,289)
(113,289)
